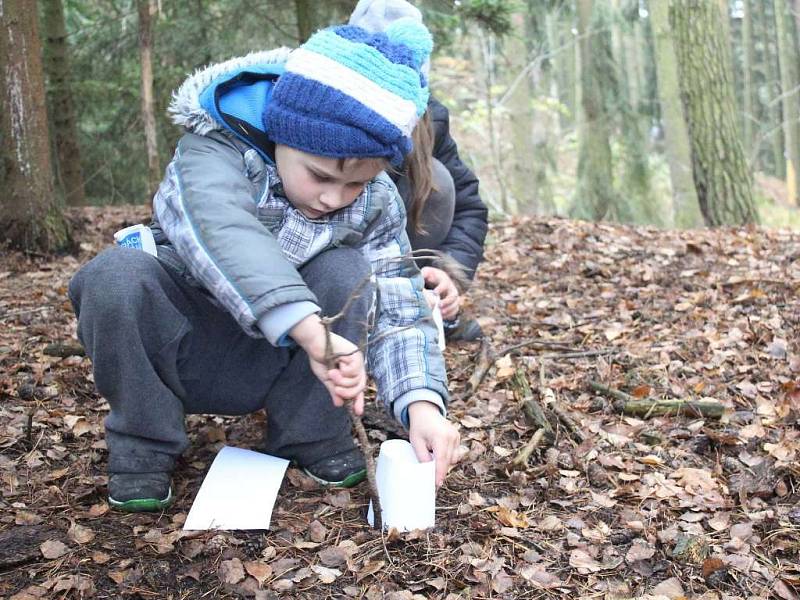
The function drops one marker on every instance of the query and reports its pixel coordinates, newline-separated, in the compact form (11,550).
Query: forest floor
(695,501)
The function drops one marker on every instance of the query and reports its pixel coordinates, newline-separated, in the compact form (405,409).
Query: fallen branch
(524,455)
(486,358)
(650,407)
(583,354)
(64,349)
(568,422)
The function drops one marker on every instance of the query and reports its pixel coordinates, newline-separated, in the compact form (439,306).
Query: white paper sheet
(407,488)
(238,492)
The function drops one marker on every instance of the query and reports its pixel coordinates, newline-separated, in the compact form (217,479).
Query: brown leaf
(641,391)
(333,556)
(82,584)
(340,499)
(53,549)
(581,560)
(260,570)
(317,531)
(370,568)
(783,591)
(502,582)
(671,588)
(231,571)
(540,577)
(511,518)
(118,577)
(301,481)
(711,566)
(640,550)
(98,510)
(80,534)
(32,592)
(326,575)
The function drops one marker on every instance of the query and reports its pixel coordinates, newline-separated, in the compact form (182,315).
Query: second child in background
(445,210)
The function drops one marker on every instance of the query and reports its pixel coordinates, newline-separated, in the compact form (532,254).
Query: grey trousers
(161,349)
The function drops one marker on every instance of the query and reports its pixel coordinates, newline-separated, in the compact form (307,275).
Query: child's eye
(321,178)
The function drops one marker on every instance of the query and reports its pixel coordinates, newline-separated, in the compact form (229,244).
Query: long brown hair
(419,166)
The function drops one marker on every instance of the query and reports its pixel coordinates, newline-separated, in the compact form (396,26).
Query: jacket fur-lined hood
(187,108)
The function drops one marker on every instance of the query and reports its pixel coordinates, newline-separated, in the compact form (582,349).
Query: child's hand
(347,381)
(428,432)
(440,282)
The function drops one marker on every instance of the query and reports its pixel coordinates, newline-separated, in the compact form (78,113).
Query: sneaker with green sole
(139,492)
(344,470)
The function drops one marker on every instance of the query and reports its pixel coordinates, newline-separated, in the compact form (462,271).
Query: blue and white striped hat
(350,93)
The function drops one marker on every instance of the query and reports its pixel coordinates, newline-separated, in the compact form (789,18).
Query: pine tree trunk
(530,185)
(686,210)
(787,59)
(304,10)
(773,84)
(721,175)
(31,216)
(796,11)
(595,195)
(61,106)
(148,101)
(749,116)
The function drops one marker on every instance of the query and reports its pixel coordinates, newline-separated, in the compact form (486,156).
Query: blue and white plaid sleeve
(404,358)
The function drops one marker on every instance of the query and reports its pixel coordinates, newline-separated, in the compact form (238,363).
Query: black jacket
(465,240)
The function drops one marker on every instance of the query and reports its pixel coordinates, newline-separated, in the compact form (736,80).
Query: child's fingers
(444,456)
(341,379)
(420,447)
(358,404)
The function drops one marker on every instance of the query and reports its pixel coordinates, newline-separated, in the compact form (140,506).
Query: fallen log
(651,407)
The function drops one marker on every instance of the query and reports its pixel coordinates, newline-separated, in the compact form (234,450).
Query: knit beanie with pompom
(350,93)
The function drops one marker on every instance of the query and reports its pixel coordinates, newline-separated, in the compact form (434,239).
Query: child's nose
(331,198)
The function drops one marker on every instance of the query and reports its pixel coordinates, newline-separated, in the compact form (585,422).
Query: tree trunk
(304,10)
(773,85)
(531,126)
(796,11)
(721,175)
(686,210)
(595,195)
(749,116)
(148,102)
(787,59)
(61,105)
(31,215)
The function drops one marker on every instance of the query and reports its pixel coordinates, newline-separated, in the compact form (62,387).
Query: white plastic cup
(139,237)
(407,488)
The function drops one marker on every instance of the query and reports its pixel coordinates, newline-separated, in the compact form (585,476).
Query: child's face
(319,185)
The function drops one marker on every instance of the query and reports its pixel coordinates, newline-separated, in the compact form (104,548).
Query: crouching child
(274,208)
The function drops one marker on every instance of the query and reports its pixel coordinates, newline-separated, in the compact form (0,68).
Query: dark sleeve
(465,240)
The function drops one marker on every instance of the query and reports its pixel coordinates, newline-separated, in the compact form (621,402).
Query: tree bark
(148,102)
(62,108)
(787,59)
(595,189)
(721,175)
(686,210)
(304,10)
(773,85)
(748,117)
(31,215)
(532,125)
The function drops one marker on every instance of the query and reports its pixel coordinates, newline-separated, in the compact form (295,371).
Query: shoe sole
(142,504)
(350,481)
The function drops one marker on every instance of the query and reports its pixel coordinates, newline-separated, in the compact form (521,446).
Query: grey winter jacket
(221,207)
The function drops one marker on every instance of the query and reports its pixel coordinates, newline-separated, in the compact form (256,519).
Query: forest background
(671,113)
